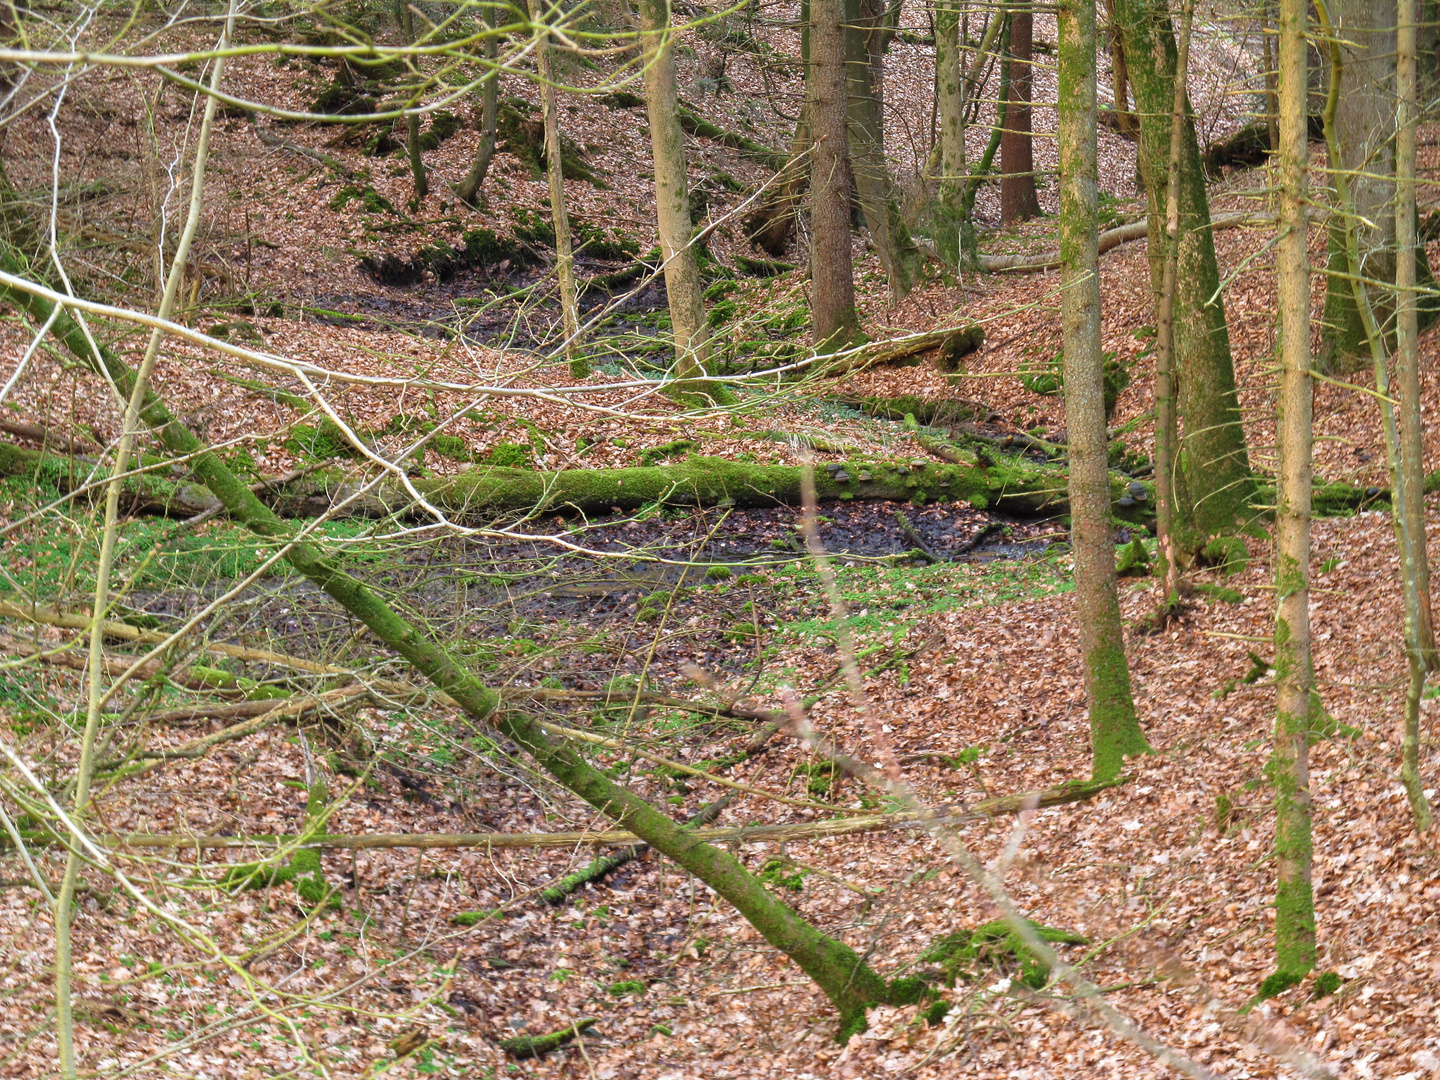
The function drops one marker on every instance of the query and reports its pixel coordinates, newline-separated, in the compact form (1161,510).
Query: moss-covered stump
(968,955)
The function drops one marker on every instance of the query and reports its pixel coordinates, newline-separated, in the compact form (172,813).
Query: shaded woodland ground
(404,962)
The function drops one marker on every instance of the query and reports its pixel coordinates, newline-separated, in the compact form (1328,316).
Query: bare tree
(832,280)
(1018,200)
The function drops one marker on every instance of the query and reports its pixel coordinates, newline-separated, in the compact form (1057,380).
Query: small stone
(1371,492)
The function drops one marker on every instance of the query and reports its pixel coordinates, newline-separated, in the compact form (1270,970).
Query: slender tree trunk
(1272,97)
(1165,428)
(1294,678)
(406,18)
(771,226)
(683,287)
(554,170)
(1114,731)
(489,118)
(1213,457)
(832,283)
(1415,567)
(1018,201)
(1125,122)
(950,104)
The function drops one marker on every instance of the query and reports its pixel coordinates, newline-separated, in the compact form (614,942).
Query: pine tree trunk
(554,170)
(683,287)
(1294,679)
(1125,121)
(1114,731)
(1018,201)
(489,119)
(832,284)
(1216,466)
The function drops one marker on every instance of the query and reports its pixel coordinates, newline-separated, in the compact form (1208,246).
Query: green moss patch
(995,947)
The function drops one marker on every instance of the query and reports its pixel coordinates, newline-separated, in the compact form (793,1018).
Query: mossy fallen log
(529,1046)
(952,346)
(695,124)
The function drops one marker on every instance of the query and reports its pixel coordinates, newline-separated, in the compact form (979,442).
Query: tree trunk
(1166,489)
(683,287)
(950,105)
(554,170)
(866,38)
(1114,732)
(1216,466)
(1018,201)
(1294,678)
(1125,123)
(406,18)
(1272,96)
(832,284)
(489,120)
(1415,567)
(1364,124)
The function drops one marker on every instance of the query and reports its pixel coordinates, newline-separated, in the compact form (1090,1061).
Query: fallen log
(1009,485)
(984,810)
(953,345)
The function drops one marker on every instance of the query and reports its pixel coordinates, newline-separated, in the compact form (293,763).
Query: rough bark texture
(554,171)
(1018,201)
(832,282)
(683,287)
(1294,679)
(1114,732)
(1214,462)
(1125,123)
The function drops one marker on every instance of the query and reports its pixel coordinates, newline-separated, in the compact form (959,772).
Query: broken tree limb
(985,810)
(952,344)
(1109,239)
(334,164)
(556,894)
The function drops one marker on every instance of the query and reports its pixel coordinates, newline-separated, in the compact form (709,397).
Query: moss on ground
(968,955)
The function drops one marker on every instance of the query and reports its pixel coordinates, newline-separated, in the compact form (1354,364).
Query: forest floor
(971,669)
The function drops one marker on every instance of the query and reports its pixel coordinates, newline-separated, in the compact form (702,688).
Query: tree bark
(1415,568)
(1114,732)
(1166,489)
(1216,466)
(406,18)
(1294,678)
(1364,124)
(1125,123)
(832,284)
(950,105)
(1018,201)
(554,170)
(683,287)
(469,188)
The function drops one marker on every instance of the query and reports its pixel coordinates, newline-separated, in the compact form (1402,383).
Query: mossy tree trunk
(469,188)
(683,287)
(1018,201)
(1294,677)
(832,277)
(1213,456)
(1114,732)
(837,969)
(1125,122)
(554,171)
